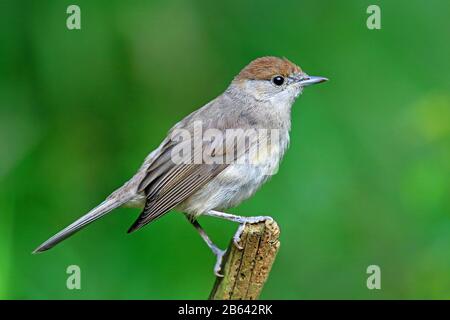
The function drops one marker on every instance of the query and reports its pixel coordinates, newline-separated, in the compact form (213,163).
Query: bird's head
(273,79)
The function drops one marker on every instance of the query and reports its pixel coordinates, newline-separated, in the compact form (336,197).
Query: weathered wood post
(246,271)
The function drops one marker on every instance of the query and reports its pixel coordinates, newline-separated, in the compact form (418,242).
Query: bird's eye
(278,80)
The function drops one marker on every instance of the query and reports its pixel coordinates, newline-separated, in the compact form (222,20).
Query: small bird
(180,175)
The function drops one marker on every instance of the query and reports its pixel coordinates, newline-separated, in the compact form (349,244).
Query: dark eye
(278,80)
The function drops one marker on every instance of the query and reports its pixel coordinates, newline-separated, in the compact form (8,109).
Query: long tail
(96,213)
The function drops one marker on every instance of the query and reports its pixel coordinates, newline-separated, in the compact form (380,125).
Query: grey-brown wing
(167,183)
(172,188)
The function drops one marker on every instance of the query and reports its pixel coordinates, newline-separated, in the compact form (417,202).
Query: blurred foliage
(366,180)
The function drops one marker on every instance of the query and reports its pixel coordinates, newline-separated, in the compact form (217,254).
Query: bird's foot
(243,221)
(237,236)
(219,257)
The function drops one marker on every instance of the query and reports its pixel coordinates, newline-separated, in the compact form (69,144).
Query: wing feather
(178,185)
(167,184)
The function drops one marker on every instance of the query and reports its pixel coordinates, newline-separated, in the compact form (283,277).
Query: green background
(366,179)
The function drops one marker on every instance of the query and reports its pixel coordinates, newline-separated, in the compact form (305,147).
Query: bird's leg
(239,219)
(216,250)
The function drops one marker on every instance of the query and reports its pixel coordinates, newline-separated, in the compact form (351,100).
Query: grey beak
(309,80)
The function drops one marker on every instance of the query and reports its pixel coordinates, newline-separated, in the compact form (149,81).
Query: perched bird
(202,175)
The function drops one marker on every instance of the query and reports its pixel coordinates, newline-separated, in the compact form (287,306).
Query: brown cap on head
(265,68)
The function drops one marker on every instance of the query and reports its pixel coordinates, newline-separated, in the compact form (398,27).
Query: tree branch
(246,271)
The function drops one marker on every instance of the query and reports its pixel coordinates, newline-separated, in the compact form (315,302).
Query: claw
(218,265)
(237,236)
(237,244)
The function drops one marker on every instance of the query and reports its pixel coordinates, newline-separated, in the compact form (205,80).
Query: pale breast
(237,182)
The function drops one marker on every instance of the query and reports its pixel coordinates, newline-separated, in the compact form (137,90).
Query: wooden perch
(245,271)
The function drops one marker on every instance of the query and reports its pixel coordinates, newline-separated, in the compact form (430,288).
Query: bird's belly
(234,184)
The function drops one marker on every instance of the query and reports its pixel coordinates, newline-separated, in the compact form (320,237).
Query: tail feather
(96,213)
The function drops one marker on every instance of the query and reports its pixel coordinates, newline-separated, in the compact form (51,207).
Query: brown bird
(216,157)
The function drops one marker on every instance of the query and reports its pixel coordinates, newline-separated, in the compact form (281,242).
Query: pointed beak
(310,80)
